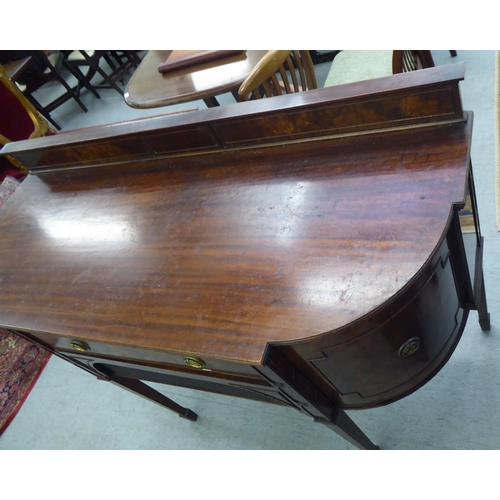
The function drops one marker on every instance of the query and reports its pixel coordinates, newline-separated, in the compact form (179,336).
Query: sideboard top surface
(220,254)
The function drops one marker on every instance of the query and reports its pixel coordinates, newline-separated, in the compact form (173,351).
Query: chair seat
(357,65)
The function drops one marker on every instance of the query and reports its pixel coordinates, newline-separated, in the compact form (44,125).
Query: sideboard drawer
(182,361)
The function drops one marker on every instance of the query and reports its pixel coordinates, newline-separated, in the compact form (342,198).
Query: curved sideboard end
(364,366)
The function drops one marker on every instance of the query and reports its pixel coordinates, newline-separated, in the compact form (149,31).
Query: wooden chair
(356,65)
(87,64)
(41,70)
(126,58)
(279,72)
(20,120)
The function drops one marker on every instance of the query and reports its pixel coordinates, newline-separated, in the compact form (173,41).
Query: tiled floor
(458,409)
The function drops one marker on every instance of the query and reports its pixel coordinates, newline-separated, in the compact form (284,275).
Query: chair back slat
(268,92)
(292,71)
(404,61)
(300,71)
(285,81)
(409,61)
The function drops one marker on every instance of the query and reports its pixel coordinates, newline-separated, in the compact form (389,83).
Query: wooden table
(150,89)
(303,250)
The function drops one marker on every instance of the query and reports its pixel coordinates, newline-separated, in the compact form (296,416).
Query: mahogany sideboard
(303,250)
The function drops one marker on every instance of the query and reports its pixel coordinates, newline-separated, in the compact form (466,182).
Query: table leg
(142,389)
(322,57)
(236,95)
(211,102)
(347,429)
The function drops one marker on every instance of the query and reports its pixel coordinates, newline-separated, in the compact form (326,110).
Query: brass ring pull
(79,345)
(194,362)
(409,347)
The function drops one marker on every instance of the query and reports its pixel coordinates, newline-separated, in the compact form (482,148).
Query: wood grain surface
(218,255)
(150,89)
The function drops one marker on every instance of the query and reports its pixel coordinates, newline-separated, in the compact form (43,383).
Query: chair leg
(65,84)
(133,57)
(98,69)
(117,72)
(82,79)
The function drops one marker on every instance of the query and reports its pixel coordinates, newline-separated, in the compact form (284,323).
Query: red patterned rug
(21,362)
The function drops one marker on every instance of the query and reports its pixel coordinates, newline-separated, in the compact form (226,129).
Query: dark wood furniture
(119,63)
(14,69)
(322,56)
(47,70)
(148,88)
(304,250)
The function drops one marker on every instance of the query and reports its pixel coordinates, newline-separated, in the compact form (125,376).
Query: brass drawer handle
(79,345)
(409,347)
(194,362)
